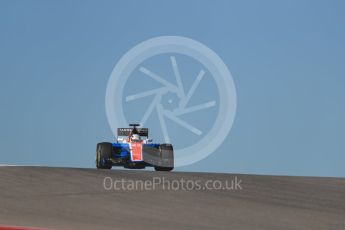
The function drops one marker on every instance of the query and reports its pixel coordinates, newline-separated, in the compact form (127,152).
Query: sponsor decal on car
(136,151)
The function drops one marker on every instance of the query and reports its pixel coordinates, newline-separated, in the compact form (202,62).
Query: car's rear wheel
(103,155)
(166,155)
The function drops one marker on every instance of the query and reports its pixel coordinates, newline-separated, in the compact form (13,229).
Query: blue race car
(133,149)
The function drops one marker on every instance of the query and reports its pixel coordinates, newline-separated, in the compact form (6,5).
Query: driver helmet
(135,137)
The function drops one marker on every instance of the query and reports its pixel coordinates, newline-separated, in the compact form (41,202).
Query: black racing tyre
(103,155)
(166,162)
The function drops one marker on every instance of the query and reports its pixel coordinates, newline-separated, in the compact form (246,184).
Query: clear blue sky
(286,58)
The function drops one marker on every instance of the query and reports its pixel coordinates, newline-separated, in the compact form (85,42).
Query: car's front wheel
(166,158)
(103,155)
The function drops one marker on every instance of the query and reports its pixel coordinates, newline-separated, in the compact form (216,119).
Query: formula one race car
(133,149)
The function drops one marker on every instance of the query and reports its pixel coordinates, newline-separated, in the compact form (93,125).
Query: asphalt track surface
(67,198)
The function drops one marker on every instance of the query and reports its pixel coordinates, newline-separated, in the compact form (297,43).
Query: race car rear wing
(124,132)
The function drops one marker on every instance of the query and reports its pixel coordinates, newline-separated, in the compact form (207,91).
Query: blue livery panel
(122,150)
